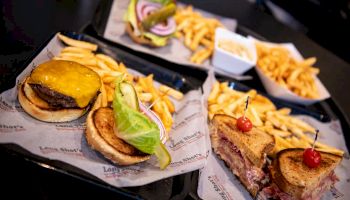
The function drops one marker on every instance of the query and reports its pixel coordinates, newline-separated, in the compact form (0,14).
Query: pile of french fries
(297,76)
(288,131)
(197,33)
(108,69)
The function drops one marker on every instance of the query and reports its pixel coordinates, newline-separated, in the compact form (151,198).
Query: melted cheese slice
(68,78)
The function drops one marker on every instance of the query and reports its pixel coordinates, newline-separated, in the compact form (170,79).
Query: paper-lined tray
(216,181)
(174,52)
(66,142)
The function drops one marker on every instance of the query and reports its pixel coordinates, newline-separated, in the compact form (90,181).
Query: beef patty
(55,99)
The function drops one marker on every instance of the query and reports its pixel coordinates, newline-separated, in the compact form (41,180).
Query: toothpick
(313,145)
(155,101)
(246,106)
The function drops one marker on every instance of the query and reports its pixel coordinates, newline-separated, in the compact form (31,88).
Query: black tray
(173,187)
(324,111)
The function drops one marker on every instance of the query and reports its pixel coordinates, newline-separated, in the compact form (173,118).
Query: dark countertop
(27,24)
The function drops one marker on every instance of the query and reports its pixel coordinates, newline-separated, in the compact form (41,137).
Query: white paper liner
(188,144)
(278,91)
(175,51)
(216,181)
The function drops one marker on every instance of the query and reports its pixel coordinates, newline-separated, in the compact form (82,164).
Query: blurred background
(326,22)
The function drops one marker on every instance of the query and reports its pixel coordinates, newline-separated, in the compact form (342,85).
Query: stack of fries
(288,131)
(108,69)
(197,32)
(298,76)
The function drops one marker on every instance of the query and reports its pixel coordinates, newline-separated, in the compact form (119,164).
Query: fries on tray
(196,32)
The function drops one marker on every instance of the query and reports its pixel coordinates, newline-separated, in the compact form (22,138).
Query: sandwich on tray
(150,22)
(243,148)
(301,174)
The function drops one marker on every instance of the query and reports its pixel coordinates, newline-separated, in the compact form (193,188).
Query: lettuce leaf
(134,127)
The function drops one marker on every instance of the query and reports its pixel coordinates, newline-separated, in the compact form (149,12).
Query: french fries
(108,70)
(297,76)
(197,33)
(288,131)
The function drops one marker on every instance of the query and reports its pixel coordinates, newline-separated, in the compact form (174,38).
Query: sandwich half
(244,153)
(292,179)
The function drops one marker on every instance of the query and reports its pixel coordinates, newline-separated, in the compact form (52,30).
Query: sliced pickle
(158,16)
(163,156)
(129,95)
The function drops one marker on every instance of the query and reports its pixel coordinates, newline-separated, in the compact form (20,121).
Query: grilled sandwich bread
(244,153)
(255,144)
(295,178)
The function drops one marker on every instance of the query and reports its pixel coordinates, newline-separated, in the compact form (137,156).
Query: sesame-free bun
(41,110)
(101,137)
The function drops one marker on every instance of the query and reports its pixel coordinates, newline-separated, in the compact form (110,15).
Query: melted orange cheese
(68,78)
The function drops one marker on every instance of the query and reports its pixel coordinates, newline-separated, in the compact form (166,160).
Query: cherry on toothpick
(243,123)
(312,158)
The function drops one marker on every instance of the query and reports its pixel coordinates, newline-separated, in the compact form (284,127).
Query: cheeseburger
(150,22)
(58,91)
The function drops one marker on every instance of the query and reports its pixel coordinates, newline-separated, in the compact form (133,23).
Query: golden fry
(172,92)
(214,93)
(77,43)
(111,63)
(145,97)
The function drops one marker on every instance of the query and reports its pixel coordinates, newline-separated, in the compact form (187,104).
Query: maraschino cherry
(312,158)
(243,123)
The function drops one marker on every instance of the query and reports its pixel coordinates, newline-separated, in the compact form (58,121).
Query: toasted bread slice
(295,178)
(254,144)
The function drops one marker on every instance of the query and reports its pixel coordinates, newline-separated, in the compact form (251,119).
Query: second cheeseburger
(126,133)
(58,91)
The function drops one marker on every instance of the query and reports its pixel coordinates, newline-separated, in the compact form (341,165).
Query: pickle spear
(129,95)
(159,16)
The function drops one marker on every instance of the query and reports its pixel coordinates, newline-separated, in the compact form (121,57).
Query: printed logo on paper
(219,188)
(175,145)
(7,128)
(114,172)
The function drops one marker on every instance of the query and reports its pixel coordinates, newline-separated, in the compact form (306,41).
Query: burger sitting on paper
(127,133)
(150,22)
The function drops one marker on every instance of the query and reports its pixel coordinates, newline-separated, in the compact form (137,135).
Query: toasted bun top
(101,137)
(290,164)
(254,144)
(39,109)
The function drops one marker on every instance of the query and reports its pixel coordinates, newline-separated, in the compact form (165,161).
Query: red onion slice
(154,117)
(144,8)
(163,30)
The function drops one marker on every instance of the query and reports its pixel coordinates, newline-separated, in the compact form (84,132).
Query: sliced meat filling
(242,167)
(323,187)
(274,192)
